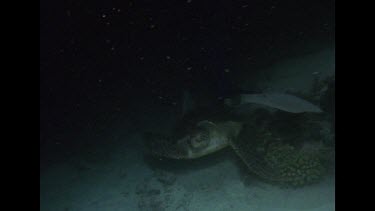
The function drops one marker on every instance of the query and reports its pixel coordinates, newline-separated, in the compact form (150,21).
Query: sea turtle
(263,153)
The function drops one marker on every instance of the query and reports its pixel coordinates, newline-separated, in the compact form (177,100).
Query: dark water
(123,66)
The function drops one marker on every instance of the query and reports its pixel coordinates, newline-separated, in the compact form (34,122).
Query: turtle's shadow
(186,166)
(183,166)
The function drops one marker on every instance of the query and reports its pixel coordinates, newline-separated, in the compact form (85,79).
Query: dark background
(102,57)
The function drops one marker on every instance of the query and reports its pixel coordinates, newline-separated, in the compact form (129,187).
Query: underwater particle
(228,102)
(188,1)
(189,68)
(168,57)
(104,15)
(226,70)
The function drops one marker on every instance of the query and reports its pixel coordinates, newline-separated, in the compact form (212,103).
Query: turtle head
(199,139)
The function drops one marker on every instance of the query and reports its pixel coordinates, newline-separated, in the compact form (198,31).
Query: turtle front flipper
(278,161)
(254,160)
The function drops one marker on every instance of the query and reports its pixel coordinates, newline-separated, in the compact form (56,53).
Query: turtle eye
(201,139)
